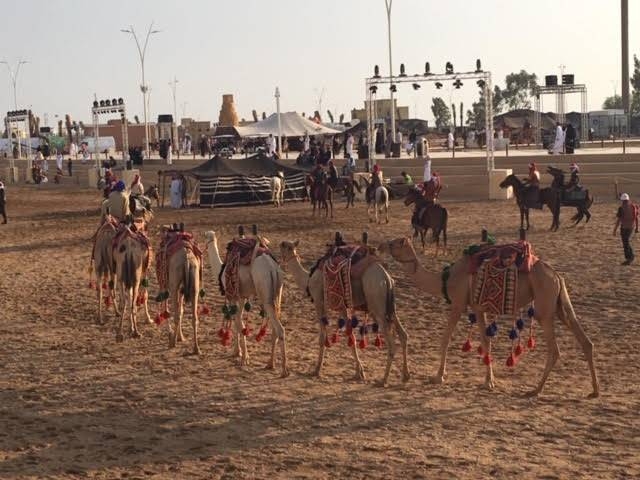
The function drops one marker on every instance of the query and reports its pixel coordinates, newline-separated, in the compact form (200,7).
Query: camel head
(288,250)
(211,238)
(401,249)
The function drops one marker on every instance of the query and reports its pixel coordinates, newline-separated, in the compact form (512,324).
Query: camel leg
(123,299)
(454,316)
(553,351)
(195,321)
(391,350)
(331,204)
(176,318)
(180,302)
(322,337)
(279,334)
(386,212)
(489,381)
(134,310)
(242,340)
(404,343)
(99,297)
(113,291)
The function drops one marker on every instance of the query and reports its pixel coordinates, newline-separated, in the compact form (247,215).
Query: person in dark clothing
(626,219)
(70,167)
(569,139)
(574,181)
(3,204)
(333,175)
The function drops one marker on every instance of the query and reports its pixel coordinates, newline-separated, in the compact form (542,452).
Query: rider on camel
(533,183)
(574,181)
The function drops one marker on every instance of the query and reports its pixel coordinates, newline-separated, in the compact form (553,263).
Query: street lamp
(388,4)
(277,95)
(173,86)
(14,79)
(144,87)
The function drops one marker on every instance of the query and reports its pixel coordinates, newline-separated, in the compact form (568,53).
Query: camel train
(349,281)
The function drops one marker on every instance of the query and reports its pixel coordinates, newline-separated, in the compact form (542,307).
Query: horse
(153,193)
(546,196)
(277,189)
(377,200)
(582,203)
(321,195)
(350,187)
(427,215)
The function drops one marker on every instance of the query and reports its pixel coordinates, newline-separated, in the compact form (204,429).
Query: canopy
(292,123)
(255,165)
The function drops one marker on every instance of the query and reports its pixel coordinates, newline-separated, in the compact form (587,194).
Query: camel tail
(188,281)
(390,301)
(129,271)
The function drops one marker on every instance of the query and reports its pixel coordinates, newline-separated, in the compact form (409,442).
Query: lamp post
(175,115)
(388,4)
(279,124)
(144,87)
(14,79)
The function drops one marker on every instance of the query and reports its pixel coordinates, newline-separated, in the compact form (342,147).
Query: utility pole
(175,142)
(14,79)
(388,4)
(624,30)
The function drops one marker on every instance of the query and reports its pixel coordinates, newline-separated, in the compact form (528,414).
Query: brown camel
(183,283)
(131,254)
(542,285)
(103,266)
(261,279)
(374,290)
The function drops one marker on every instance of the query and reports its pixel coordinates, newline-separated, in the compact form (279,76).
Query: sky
(314,51)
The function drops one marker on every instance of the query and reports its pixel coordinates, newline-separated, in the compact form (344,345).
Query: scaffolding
(559,91)
(105,107)
(478,75)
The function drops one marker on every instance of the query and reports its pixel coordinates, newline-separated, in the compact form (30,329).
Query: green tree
(635,83)
(440,112)
(612,102)
(519,88)
(475,116)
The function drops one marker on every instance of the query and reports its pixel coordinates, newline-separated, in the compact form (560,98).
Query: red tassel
(166,314)
(327,342)
(531,343)
(519,350)
(378,342)
(159,319)
(511,361)
(227,334)
(246,331)
(466,347)
(334,338)
(487,359)
(363,343)
(352,340)
(107,301)
(205,310)
(221,332)
(480,350)
(104,285)
(92,285)
(262,333)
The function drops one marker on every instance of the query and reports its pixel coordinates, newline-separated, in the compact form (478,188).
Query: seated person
(407,180)
(532,182)
(432,188)
(574,181)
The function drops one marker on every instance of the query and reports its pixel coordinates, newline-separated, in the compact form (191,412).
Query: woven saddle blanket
(239,252)
(340,268)
(141,238)
(170,243)
(496,287)
(519,253)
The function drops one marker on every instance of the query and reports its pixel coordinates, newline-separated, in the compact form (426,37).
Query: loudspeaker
(551,80)
(567,79)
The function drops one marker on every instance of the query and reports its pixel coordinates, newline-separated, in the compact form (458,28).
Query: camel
(119,206)
(132,255)
(542,285)
(102,264)
(262,279)
(277,189)
(183,284)
(377,201)
(376,288)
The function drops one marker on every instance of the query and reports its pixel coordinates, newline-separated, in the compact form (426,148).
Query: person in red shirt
(626,219)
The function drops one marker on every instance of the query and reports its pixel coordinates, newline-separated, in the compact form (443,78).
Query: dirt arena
(76,404)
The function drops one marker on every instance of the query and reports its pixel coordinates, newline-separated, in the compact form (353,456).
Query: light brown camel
(375,290)
(262,279)
(183,283)
(542,285)
(103,266)
(132,255)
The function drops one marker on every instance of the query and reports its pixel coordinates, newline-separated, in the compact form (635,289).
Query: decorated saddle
(496,267)
(239,252)
(340,268)
(170,242)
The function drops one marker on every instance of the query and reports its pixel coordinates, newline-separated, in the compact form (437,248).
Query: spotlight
(402,73)
(95,103)
(107,103)
(120,101)
(373,89)
(438,85)
(458,83)
(376,72)
(114,102)
(416,86)
(393,88)
(481,83)
(102,103)
(448,68)
(478,66)
(427,69)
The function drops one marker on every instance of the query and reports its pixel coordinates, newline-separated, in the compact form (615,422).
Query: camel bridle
(403,261)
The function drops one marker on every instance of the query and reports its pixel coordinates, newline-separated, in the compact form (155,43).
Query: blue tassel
(374,328)
(531,312)
(341,323)
(513,334)
(363,330)
(520,324)
(324,321)
(354,321)
(472,318)
(492,330)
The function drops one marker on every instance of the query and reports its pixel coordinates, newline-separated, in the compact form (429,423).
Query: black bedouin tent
(226,182)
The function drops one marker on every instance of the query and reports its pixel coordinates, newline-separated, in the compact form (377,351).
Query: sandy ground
(75,404)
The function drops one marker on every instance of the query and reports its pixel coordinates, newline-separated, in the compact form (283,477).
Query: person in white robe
(558,144)
(450,140)
(271,145)
(176,192)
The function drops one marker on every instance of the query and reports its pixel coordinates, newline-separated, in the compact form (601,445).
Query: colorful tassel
(334,338)
(466,347)
(378,342)
(487,359)
(352,340)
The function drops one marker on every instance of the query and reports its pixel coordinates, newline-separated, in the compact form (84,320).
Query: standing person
(176,192)
(349,146)
(570,139)
(626,219)
(271,145)
(412,141)
(450,140)
(59,161)
(3,204)
(333,175)
(558,144)
(70,166)
(184,189)
(306,142)
(406,178)
(169,152)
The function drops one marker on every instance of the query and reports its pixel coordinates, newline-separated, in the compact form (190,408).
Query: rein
(446,273)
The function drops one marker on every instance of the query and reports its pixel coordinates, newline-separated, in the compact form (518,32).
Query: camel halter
(285,260)
(413,261)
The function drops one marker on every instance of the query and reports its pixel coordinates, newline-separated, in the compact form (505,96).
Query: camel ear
(296,243)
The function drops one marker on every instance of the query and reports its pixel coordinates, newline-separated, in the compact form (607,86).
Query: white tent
(293,125)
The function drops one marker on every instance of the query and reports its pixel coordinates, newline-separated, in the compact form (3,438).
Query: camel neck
(423,279)
(214,257)
(300,275)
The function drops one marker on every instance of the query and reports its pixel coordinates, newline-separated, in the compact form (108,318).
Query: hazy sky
(247,47)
